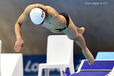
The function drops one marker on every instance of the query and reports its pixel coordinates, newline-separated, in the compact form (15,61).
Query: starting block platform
(98,68)
(11,64)
(102,66)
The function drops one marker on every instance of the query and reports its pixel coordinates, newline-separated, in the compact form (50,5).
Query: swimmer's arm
(19,23)
(24,16)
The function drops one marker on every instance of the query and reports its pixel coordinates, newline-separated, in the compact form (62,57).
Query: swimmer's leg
(81,42)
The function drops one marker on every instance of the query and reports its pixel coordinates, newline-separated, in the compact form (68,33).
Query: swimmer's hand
(18,45)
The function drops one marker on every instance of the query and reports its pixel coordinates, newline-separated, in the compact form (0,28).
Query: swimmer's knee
(77,37)
(73,37)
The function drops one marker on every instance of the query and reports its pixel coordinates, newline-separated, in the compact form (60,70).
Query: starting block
(105,55)
(11,64)
(0,55)
(98,68)
(102,66)
(0,45)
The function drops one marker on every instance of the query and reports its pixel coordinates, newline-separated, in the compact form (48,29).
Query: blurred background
(95,15)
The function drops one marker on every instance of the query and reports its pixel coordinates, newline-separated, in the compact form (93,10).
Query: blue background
(31,63)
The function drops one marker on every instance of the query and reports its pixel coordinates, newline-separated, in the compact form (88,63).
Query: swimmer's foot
(81,30)
(88,56)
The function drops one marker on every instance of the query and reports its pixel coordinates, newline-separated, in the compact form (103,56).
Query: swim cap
(37,16)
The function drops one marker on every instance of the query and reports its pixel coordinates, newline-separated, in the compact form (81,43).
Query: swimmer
(48,17)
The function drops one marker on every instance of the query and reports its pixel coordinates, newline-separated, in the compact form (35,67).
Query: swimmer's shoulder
(31,6)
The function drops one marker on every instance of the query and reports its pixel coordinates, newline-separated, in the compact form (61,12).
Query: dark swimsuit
(67,24)
(67,20)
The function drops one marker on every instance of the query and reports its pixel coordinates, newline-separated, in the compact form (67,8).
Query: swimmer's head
(37,16)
